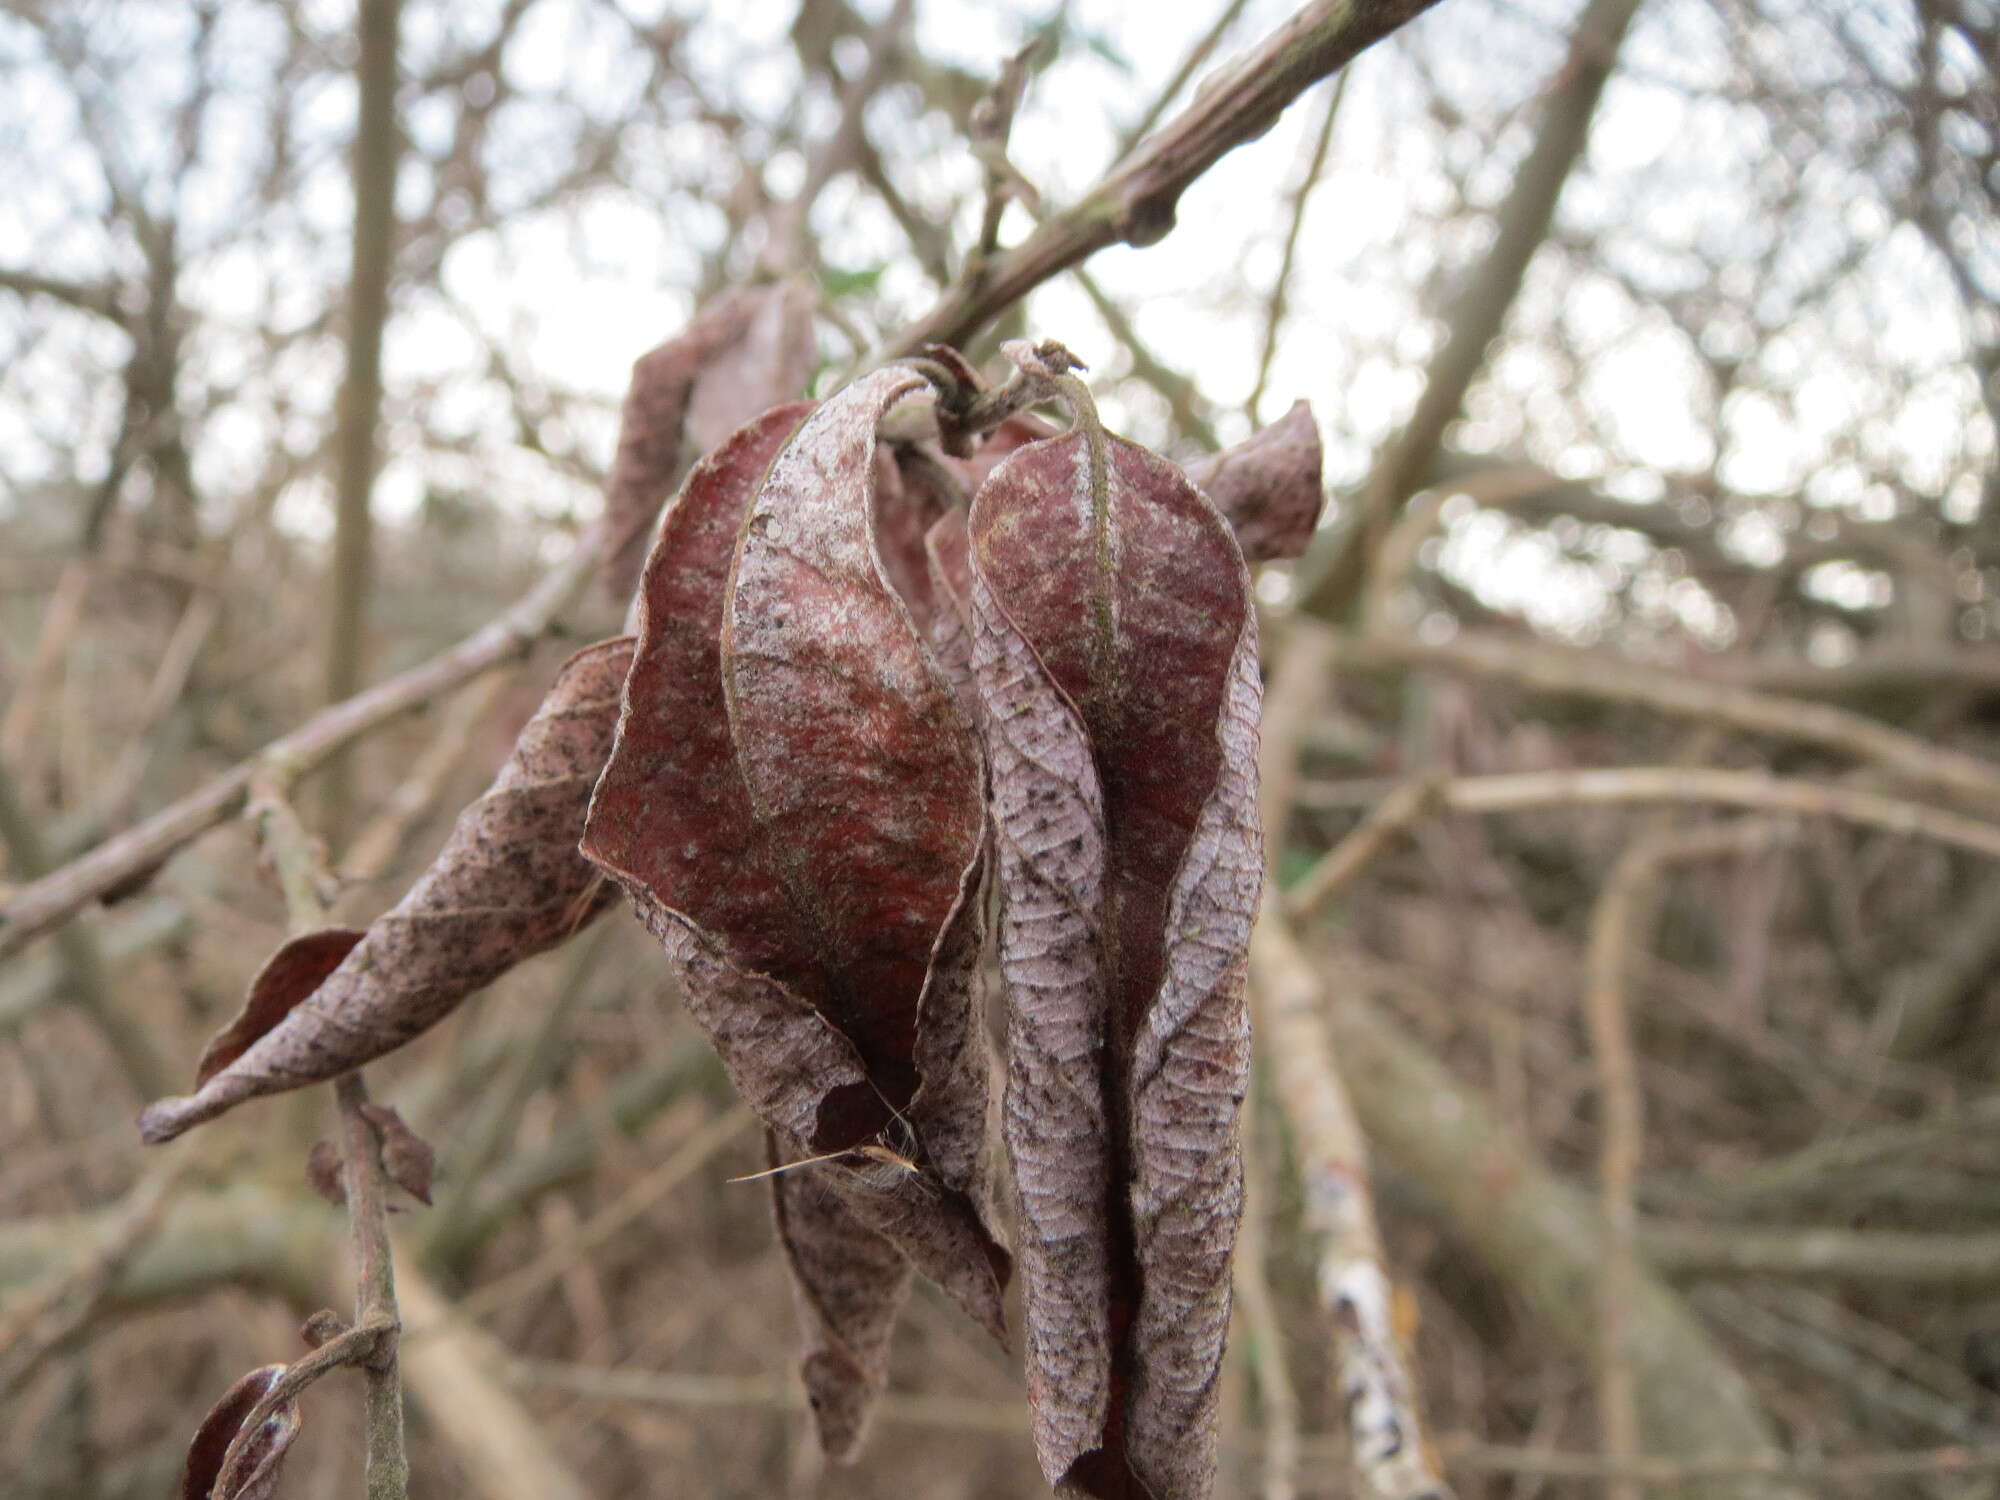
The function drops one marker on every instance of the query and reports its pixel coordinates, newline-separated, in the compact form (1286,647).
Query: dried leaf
(1114,650)
(793,804)
(1268,486)
(508,884)
(851,1284)
(288,976)
(406,1156)
(323,1173)
(948,563)
(218,1430)
(769,362)
(744,351)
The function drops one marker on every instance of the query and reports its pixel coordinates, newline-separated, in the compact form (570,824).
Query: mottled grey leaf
(508,884)
(1114,650)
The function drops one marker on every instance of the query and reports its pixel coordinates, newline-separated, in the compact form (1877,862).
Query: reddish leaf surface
(1115,654)
(746,350)
(1268,486)
(508,884)
(793,805)
(288,976)
(218,1430)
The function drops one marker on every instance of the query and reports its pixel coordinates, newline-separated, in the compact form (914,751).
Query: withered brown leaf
(748,349)
(218,1430)
(851,1283)
(406,1156)
(793,804)
(508,884)
(1268,486)
(1114,649)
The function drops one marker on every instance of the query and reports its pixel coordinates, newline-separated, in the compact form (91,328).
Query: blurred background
(1655,350)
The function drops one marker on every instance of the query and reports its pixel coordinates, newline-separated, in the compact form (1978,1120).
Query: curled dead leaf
(793,805)
(218,1430)
(1114,651)
(508,884)
(1268,486)
(747,350)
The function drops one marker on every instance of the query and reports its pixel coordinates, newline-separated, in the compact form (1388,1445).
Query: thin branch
(1281,284)
(1663,1473)
(89,982)
(1614,931)
(841,151)
(1542,667)
(1332,574)
(626,1209)
(1277,1396)
(1135,203)
(1755,791)
(364,1180)
(1198,54)
(1384,1421)
(45,903)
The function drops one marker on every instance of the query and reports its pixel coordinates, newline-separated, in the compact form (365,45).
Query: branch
(1755,791)
(47,902)
(1965,1262)
(1614,930)
(1541,667)
(1384,1422)
(1135,203)
(1331,578)
(82,960)
(1544,1240)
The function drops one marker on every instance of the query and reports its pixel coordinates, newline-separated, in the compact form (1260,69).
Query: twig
(786,251)
(1281,284)
(1890,1257)
(1545,668)
(1853,1468)
(352,1346)
(365,1183)
(51,900)
(1384,1424)
(1543,1239)
(46,1317)
(1521,791)
(1614,931)
(59,622)
(383,837)
(627,1208)
(1198,54)
(1135,202)
(1389,1455)
(1184,399)
(1331,575)
(952,1413)
(82,960)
